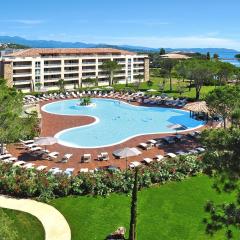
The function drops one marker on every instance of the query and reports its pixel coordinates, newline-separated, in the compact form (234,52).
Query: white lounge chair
(41,168)
(134,164)
(145,146)
(86,157)
(28,165)
(83,170)
(66,157)
(171,155)
(159,158)
(152,141)
(147,160)
(69,171)
(35,149)
(19,163)
(52,155)
(103,156)
(7,155)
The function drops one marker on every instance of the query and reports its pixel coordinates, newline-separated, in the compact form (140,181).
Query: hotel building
(24,69)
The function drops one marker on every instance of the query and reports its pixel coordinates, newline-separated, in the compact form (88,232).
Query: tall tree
(168,65)
(133,220)
(199,71)
(215,56)
(223,101)
(13,125)
(225,72)
(162,51)
(61,85)
(139,77)
(222,159)
(110,67)
(208,56)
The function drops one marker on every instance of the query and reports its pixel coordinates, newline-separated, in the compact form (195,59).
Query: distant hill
(222,52)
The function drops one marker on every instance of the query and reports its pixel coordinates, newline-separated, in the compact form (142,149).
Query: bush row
(19,182)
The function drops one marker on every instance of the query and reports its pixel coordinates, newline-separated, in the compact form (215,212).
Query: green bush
(20,182)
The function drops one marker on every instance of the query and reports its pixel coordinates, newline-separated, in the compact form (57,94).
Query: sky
(150,23)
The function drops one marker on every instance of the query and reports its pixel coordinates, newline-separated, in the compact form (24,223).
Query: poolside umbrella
(45,141)
(197,107)
(126,152)
(177,127)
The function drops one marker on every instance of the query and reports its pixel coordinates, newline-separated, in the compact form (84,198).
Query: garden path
(54,223)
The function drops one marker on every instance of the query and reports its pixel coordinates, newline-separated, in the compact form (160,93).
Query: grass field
(175,93)
(27,226)
(170,212)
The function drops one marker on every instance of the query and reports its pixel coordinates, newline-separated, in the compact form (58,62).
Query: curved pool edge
(66,144)
(97,120)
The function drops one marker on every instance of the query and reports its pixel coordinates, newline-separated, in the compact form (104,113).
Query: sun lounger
(69,171)
(86,157)
(200,149)
(11,159)
(41,168)
(26,141)
(35,149)
(134,164)
(159,157)
(147,160)
(171,155)
(103,156)
(152,141)
(145,146)
(28,165)
(66,157)
(193,151)
(83,170)
(19,163)
(52,155)
(181,153)
(7,155)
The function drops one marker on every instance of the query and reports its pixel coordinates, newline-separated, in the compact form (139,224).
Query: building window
(37,79)
(37,64)
(37,71)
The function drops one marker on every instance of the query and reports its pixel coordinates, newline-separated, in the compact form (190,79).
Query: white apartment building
(23,69)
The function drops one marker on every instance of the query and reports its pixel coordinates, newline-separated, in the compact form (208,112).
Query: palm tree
(110,67)
(61,85)
(139,77)
(38,85)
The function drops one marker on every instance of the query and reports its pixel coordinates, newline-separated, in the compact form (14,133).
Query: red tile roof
(33,52)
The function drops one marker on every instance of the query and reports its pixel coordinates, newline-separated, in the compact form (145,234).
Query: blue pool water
(116,122)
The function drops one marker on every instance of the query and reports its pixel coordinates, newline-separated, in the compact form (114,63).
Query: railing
(22,74)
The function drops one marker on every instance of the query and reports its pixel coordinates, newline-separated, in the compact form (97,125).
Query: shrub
(21,182)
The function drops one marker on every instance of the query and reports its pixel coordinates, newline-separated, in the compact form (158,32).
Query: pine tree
(133,220)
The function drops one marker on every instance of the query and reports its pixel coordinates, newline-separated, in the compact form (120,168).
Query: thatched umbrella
(197,107)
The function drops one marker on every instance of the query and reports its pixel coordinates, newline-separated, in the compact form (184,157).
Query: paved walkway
(54,224)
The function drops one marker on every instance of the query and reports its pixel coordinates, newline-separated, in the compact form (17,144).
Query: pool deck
(51,124)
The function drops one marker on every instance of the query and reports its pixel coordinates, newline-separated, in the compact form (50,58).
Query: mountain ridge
(61,44)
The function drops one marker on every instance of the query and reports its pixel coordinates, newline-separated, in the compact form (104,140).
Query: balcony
(20,74)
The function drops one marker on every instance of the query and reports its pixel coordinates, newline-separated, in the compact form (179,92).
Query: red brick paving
(51,124)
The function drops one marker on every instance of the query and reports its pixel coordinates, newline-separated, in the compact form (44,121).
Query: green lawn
(27,226)
(175,93)
(173,211)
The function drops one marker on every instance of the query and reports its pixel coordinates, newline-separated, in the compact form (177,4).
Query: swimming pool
(116,122)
